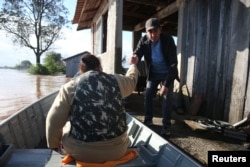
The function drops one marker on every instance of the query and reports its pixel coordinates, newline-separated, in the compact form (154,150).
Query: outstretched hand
(133,60)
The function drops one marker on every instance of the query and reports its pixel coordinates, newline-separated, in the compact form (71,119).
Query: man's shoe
(148,122)
(165,131)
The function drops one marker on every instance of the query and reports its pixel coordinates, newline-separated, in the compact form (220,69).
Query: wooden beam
(78,8)
(154,3)
(98,9)
(82,11)
(89,10)
(134,15)
(102,9)
(168,10)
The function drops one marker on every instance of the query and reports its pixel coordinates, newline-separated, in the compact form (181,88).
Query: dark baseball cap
(152,23)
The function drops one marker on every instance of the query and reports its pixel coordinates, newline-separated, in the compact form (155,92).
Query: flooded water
(18,89)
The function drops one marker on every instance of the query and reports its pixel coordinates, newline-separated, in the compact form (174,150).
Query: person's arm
(141,48)
(128,82)
(171,61)
(58,115)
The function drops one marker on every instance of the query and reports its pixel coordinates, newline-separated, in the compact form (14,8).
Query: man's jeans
(151,90)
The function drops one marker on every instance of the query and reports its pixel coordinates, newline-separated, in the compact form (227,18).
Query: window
(101,35)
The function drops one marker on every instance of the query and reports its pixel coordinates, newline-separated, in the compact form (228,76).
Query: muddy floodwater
(19,88)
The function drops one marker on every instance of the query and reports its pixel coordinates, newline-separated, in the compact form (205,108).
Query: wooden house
(213,44)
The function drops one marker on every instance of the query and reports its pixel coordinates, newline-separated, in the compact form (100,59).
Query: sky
(72,43)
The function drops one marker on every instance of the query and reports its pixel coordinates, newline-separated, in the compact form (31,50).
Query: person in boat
(159,52)
(92,103)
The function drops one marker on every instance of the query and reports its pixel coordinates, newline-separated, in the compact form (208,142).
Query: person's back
(92,102)
(97,113)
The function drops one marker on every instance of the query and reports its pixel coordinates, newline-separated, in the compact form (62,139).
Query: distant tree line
(25,64)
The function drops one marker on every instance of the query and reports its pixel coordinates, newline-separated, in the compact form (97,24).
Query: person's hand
(59,149)
(163,90)
(133,60)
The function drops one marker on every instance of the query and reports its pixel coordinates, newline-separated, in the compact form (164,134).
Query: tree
(25,64)
(53,62)
(26,20)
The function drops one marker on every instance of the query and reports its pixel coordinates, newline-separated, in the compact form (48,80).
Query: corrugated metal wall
(213,43)
(72,64)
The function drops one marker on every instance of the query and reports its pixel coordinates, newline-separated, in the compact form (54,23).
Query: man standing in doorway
(159,52)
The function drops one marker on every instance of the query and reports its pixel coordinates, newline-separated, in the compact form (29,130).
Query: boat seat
(145,158)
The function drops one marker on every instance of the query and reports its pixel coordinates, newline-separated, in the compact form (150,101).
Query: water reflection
(38,85)
(19,89)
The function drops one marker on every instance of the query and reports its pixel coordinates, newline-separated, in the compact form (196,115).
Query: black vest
(97,112)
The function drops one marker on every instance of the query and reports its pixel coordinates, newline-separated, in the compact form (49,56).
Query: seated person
(92,102)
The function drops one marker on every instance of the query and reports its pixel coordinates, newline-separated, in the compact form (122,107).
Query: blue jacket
(169,52)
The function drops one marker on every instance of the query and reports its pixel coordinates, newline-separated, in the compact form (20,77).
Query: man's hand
(133,60)
(163,90)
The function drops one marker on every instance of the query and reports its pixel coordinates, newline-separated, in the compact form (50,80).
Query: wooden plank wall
(214,50)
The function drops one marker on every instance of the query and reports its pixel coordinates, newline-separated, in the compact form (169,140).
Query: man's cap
(152,23)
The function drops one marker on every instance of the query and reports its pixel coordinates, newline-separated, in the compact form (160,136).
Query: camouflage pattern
(97,112)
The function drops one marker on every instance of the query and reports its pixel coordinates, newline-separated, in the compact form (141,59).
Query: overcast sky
(73,42)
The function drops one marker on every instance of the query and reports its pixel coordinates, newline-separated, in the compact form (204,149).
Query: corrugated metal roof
(74,56)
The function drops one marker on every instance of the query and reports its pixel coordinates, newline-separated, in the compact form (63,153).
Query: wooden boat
(21,133)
